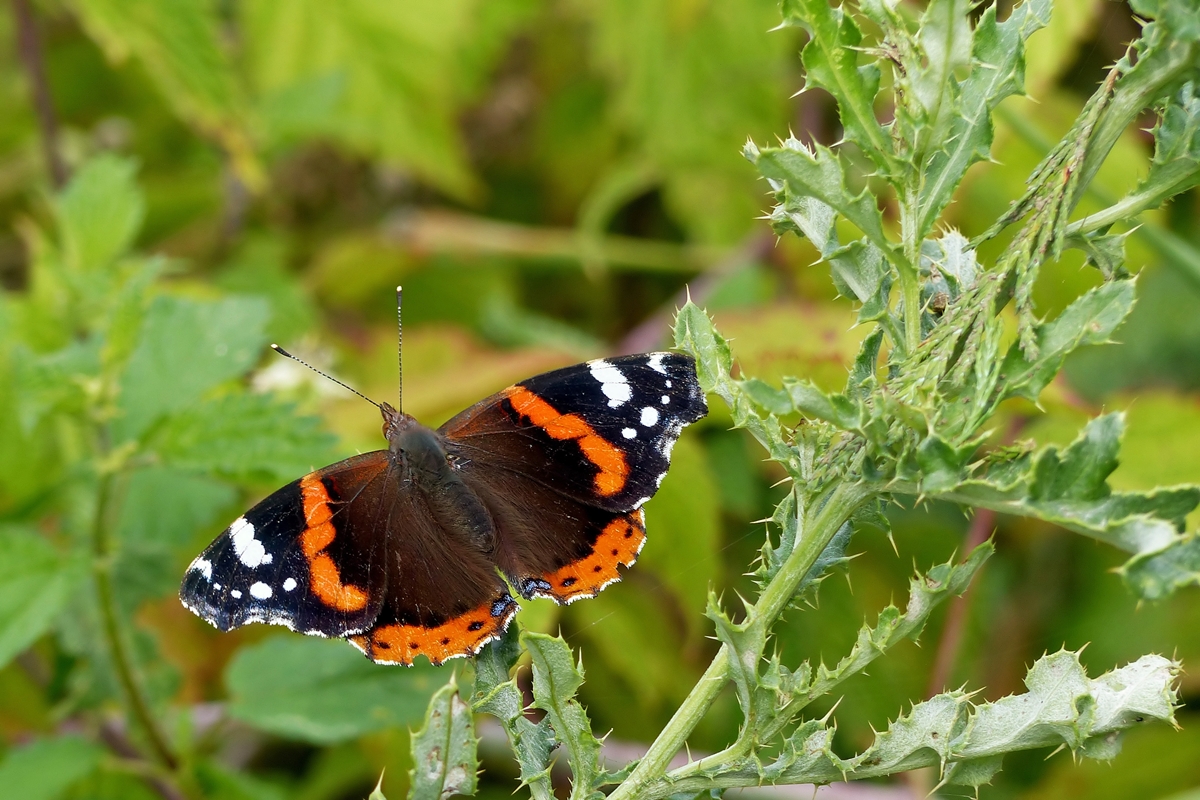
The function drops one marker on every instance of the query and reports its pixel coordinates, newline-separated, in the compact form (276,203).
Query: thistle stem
(645,781)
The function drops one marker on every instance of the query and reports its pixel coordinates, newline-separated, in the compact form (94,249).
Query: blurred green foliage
(544,178)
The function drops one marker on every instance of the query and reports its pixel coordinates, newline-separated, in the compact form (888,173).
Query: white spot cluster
(248,549)
(612,382)
(203,566)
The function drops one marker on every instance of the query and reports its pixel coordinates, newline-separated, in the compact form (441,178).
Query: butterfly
(412,551)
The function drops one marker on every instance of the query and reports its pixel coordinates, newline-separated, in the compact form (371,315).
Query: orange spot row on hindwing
(608,458)
(324,578)
(463,635)
(617,545)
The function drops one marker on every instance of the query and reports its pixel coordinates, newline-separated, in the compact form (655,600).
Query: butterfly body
(411,550)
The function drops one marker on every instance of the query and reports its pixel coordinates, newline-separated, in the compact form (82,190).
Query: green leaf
(224,783)
(556,678)
(164,512)
(858,269)
(831,63)
(685,523)
(35,584)
(45,769)
(53,383)
(244,436)
(406,73)
(99,213)
(443,751)
(323,691)
(178,45)
(186,348)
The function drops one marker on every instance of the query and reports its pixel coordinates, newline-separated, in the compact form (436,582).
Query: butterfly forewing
(601,432)
(310,556)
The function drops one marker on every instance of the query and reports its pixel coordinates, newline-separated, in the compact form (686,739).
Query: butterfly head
(395,423)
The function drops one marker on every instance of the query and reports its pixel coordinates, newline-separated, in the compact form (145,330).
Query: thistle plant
(911,425)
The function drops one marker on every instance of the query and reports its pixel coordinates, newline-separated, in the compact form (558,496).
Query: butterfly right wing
(309,557)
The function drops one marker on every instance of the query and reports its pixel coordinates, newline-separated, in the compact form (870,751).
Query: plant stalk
(776,596)
(138,706)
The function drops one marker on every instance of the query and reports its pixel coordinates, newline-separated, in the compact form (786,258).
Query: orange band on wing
(596,449)
(617,545)
(324,577)
(462,636)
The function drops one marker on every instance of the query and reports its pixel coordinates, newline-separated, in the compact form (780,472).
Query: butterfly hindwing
(444,596)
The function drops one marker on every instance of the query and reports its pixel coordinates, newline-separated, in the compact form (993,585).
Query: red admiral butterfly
(401,551)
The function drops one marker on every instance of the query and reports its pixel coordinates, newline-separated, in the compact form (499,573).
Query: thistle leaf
(443,751)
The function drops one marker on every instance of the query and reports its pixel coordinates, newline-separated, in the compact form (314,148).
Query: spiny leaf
(696,334)
(1091,319)
(831,63)
(1176,164)
(498,694)
(818,173)
(556,678)
(443,751)
(997,71)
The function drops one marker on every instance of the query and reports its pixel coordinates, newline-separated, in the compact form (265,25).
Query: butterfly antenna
(400,349)
(283,352)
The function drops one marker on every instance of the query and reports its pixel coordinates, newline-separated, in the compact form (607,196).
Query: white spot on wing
(260,590)
(289,584)
(665,399)
(235,594)
(649,416)
(612,382)
(248,549)
(655,363)
(629,433)
(203,566)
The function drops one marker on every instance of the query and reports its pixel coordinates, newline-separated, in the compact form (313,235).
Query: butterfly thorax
(424,466)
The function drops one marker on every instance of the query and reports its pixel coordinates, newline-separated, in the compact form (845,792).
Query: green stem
(139,707)
(908,272)
(646,779)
